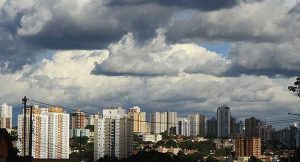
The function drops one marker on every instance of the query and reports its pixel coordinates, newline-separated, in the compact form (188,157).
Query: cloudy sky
(176,55)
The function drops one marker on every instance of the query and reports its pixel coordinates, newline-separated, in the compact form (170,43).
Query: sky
(172,55)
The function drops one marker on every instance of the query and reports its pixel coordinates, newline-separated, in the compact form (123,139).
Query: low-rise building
(165,150)
(151,137)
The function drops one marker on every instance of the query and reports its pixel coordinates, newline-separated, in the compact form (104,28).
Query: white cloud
(66,80)
(156,57)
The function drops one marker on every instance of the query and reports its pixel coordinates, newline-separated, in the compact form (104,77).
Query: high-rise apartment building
(6,116)
(248,146)
(77,120)
(172,122)
(239,129)
(158,121)
(90,120)
(113,134)
(256,128)
(223,117)
(212,128)
(50,133)
(40,133)
(232,127)
(163,122)
(139,120)
(240,146)
(197,124)
(183,127)
(58,133)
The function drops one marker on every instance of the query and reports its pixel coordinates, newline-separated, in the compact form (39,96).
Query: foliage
(90,127)
(254,159)
(170,143)
(211,159)
(86,152)
(76,141)
(137,138)
(203,147)
(13,136)
(223,151)
(165,136)
(153,156)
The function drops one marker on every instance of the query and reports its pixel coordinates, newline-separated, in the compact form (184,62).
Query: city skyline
(180,57)
(280,125)
(113,131)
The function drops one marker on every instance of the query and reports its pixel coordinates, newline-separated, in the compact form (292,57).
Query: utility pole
(80,138)
(30,133)
(24,100)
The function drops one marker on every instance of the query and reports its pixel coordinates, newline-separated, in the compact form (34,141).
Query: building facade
(212,128)
(197,124)
(247,147)
(50,133)
(183,127)
(113,134)
(223,119)
(6,117)
(163,122)
(77,120)
(139,120)
(58,133)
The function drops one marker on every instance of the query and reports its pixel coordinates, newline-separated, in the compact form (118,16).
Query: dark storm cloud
(269,59)
(14,52)
(97,25)
(202,5)
(29,27)
(205,5)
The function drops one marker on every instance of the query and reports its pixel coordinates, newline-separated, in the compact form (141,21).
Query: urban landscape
(149,81)
(119,133)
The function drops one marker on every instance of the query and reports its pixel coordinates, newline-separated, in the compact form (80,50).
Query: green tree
(254,159)
(211,159)
(90,127)
(171,143)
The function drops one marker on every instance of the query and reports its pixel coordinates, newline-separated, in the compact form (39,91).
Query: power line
(273,122)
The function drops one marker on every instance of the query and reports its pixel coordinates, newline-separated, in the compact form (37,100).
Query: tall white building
(163,122)
(50,133)
(183,127)
(6,116)
(158,122)
(172,122)
(113,134)
(90,120)
(196,124)
(58,133)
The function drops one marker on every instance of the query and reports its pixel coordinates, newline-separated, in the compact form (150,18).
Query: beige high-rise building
(163,122)
(240,147)
(77,120)
(253,147)
(139,120)
(6,117)
(58,133)
(40,133)
(50,133)
(158,121)
(247,147)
